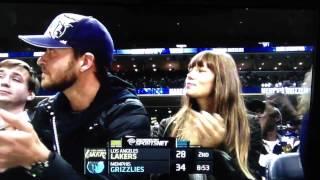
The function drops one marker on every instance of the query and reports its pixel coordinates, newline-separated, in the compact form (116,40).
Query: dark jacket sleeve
(60,169)
(128,119)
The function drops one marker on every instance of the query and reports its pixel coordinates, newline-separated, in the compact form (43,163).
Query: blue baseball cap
(69,30)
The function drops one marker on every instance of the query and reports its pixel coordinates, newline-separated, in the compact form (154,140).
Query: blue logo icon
(182,143)
(95,167)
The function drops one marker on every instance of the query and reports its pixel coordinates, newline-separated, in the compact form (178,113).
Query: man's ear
(87,61)
(31,96)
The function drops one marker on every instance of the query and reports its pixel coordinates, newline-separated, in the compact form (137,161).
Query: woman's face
(199,82)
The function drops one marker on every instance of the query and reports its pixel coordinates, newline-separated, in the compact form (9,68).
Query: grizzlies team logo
(61,24)
(59,30)
(95,167)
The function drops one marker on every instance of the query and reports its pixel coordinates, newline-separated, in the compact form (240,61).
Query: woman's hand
(211,129)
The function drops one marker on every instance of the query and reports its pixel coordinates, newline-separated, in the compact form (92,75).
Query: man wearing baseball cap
(91,107)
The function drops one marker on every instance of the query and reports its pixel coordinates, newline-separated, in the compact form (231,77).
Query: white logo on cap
(59,30)
(61,23)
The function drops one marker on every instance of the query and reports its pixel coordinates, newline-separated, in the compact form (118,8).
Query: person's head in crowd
(18,84)
(286,107)
(78,49)
(304,99)
(213,85)
(255,106)
(269,120)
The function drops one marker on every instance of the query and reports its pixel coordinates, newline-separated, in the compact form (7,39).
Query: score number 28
(181,154)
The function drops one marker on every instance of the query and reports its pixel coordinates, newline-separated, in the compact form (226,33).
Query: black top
(225,165)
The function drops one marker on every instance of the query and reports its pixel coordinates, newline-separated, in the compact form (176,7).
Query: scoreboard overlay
(131,155)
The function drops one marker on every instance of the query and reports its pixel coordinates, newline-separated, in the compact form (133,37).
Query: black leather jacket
(115,112)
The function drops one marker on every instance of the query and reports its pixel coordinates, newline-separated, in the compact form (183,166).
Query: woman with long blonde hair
(213,112)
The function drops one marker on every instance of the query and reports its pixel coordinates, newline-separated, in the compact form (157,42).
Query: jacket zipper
(56,145)
(55,132)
